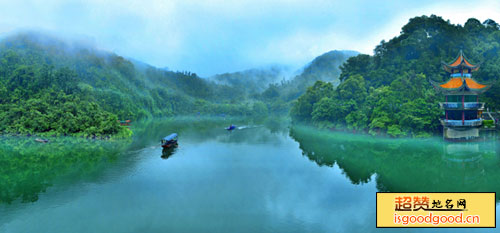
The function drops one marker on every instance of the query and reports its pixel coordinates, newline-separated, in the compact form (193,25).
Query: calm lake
(262,177)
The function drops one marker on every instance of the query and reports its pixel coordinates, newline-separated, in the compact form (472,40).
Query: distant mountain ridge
(325,67)
(254,80)
(49,85)
(42,76)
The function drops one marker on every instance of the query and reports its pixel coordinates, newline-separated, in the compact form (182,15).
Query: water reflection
(167,152)
(405,165)
(468,160)
(28,168)
(252,180)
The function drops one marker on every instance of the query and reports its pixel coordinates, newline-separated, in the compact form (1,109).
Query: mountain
(255,80)
(325,67)
(277,86)
(390,91)
(48,85)
(54,86)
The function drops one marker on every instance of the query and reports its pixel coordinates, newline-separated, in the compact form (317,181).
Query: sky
(217,36)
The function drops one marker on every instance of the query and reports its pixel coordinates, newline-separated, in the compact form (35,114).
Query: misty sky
(216,36)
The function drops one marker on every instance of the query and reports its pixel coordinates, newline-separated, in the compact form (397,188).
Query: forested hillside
(326,67)
(52,86)
(290,84)
(252,82)
(390,91)
(48,85)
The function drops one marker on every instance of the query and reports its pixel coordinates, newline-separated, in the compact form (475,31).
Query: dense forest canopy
(254,81)
(390,92)
(51,86)
(325,67)
(56,87)
(277,87)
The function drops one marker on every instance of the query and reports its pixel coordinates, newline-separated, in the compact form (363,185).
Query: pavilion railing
(458,105)
(460,75)
(470,123)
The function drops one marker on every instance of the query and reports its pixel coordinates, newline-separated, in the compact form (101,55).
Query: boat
(42,140)
(231,127)
(169,141)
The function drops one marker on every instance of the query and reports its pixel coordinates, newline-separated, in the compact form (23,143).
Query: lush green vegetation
(389,92)
(274,88)
(398,165)
(28,168)
(52,87)
(253,82)
(47,100)
(325,67)
(488,123)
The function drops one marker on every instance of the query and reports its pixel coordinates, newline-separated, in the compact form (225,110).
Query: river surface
(262,177)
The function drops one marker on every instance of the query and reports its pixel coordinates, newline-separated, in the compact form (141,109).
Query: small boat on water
(169,141)
(41,140)
(231,127)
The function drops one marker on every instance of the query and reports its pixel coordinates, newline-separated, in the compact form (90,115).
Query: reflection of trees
(27,168)
(405,165)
